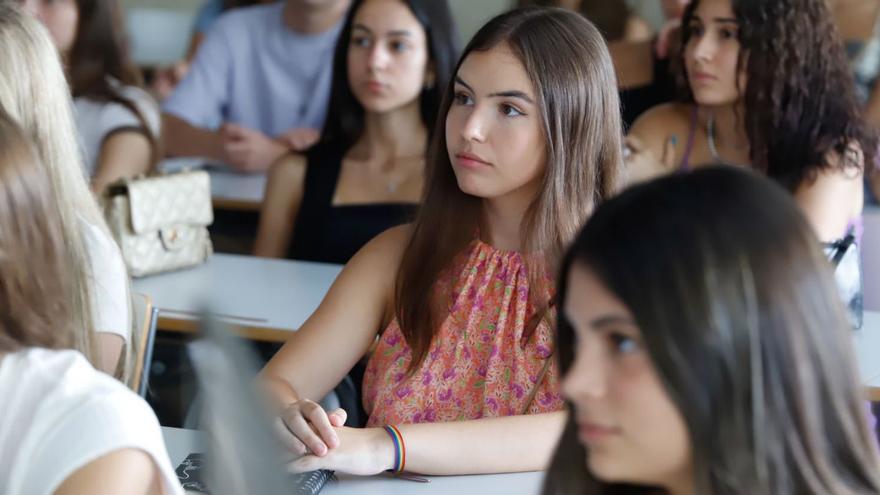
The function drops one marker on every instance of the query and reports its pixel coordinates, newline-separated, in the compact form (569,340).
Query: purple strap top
(685,159)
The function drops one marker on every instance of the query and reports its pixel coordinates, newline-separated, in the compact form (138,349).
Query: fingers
(288,439)
(235,132)
(237,153)
(338,417)
(301,429)
(316,415)
(311,426)
(301,139)
(230,131)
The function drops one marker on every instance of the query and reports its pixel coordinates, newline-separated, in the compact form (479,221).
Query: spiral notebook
(246,457)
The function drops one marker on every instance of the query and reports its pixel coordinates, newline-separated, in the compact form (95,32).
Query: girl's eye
(623,344)
(510,111)
(360,41)
(696,30)
(728,34)
(398,46)
(462,98)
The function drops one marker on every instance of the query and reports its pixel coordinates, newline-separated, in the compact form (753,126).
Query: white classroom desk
(263,299)
(266,299)
(181,443)
(230,190)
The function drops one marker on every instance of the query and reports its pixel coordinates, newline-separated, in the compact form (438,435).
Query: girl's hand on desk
(361,451)
(305,427)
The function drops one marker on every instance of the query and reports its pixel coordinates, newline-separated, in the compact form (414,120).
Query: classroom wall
(470,15)
(155,42)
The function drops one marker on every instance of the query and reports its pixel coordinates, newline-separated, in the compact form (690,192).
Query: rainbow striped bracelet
(399,449)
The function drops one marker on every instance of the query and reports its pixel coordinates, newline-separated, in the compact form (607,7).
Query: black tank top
(333,234)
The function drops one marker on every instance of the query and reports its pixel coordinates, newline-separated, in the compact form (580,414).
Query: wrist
(383,448)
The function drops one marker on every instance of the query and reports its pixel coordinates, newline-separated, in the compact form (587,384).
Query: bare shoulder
(291,166)
(386,249)
(663,119)
(657,141)
(121,471)
(285,181)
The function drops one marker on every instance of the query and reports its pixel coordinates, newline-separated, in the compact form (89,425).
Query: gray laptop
(246,456)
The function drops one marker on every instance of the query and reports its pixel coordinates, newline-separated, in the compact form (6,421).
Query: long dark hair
(101,50)
(800,102)
(740,316)
(345,115)
(570,68)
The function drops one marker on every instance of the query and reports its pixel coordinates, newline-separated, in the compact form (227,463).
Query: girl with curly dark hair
(768,86)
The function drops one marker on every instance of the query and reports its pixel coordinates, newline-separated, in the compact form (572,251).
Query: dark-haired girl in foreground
(704,349)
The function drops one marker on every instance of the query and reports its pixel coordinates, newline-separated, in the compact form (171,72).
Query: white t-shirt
(59,414)
(97,120)
(110,299)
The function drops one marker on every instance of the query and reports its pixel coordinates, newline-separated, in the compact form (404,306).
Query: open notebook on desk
(245,455)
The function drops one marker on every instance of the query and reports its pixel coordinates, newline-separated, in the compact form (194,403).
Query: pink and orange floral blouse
(478,365)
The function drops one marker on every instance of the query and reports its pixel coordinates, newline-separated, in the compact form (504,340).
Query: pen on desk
(219,315)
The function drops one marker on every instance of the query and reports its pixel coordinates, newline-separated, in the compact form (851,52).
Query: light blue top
(254,71)
(207,16)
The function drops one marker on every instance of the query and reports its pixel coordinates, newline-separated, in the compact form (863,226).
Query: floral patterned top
(478,365)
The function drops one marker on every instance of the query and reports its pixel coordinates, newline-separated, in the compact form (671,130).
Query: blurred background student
(393,60)
(257,88)
(117,121)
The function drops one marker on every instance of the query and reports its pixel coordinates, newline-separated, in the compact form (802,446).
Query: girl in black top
(366,173)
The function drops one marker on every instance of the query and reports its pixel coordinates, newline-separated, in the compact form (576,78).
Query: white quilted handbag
(161,222)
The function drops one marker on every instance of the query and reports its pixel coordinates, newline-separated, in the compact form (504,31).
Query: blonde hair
(34,91)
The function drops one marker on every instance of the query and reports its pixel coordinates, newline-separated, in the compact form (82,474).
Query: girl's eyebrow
(611,320)
(501,94)
(398,32)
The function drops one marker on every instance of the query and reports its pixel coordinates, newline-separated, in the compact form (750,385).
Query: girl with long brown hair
(118,122)
(461,378)
(65,427)
(704,349)
(768,87)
